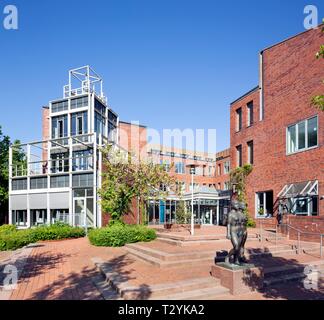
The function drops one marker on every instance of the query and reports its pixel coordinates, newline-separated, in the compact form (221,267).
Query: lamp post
(192,172)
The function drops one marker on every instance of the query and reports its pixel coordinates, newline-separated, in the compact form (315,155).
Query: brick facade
(291,76)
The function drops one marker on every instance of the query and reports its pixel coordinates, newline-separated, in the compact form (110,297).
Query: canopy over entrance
(300,189)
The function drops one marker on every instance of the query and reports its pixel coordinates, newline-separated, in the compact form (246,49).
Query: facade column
(28,187)
(94,180)
(217,213)
(96,196)
(10,185)
(71,213)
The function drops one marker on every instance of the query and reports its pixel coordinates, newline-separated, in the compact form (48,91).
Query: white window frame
(296,125)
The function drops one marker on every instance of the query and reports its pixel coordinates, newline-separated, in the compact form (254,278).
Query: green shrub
(56,231)
(15,240)
(119,235)
(12,239)
(7,228)
(251,223)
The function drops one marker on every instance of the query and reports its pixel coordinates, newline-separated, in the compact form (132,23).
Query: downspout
(261,71)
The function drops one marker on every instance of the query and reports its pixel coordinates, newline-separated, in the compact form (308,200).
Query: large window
(19,218)
(79,102)
(79,123)
(60,162)
(250,118)
(305,206)
(302,136)
(239,160)
(239,119)
(82,180)
(250,152)
(180,168)
(82,160)
(60,182)
(100,124)
(38,183)
(19,184)
(264,204)
(59,127)
(60,106)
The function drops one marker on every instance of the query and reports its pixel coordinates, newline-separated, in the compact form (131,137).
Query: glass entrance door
(79,210)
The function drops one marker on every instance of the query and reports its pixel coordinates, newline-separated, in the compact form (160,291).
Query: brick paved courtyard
(66,270)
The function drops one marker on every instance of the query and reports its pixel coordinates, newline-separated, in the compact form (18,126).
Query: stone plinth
(238,279)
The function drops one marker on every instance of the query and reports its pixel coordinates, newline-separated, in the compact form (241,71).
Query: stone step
(170,263)
(279,279)
(165,256)
(199,294)
(160,291)
(180,243)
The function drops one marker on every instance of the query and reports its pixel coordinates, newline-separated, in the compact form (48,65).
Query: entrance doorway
(83,212)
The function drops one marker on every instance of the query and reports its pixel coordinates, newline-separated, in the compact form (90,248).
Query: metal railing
(287,230)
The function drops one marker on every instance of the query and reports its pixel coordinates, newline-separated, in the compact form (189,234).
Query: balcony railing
(54,166)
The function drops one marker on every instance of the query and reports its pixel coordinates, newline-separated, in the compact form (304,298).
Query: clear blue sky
(167,63)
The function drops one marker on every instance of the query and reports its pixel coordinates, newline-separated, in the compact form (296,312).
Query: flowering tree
(126,178)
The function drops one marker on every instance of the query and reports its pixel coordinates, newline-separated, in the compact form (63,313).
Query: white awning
(300,189)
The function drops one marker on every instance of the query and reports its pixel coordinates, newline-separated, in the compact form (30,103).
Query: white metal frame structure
(75,157)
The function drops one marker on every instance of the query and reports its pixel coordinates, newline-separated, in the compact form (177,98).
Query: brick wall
(292,76)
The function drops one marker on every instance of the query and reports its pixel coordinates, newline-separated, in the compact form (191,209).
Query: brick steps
(281,274)
(182,261)
(200,294)
(163,259)
(191,289)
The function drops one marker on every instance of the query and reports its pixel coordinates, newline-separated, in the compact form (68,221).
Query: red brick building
(275,127)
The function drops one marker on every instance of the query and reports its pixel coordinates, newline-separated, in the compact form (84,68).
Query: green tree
(18,158)
(126,178)
(318,101)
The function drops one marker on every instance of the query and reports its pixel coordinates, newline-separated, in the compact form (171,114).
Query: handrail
(299,232)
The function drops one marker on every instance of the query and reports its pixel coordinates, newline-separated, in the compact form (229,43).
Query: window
(82,180)
(226,185)
(82,160)
(166,165)
(264,204)
(305,206)
(20,184)
(59,127)
(60,106)
(250,152)
(219,169)
(79,123)
(180,168)
(227,165)
(38,183)
(79,102)
(239,119)
(239,156)
(100,108)
(219,186)
(60,162)
(250,114)
(60,182)
(19,218)
(302,136)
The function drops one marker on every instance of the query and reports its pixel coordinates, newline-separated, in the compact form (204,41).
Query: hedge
(12,239)
(119,235)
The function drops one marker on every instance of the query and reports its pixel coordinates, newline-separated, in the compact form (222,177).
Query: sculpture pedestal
(238,279)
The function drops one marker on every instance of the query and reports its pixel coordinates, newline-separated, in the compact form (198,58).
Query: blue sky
(166,63)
